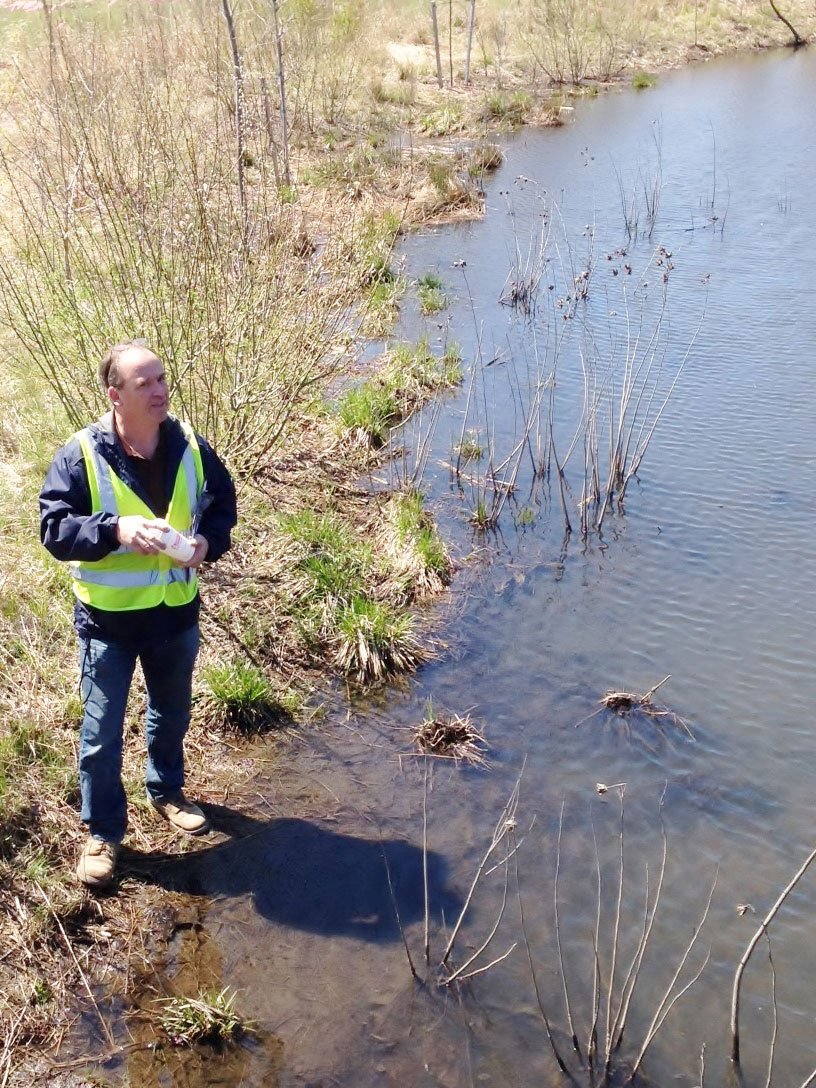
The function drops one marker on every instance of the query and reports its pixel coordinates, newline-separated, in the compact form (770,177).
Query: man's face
(142,399)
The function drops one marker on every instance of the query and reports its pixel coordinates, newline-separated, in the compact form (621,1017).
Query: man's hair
(109,374)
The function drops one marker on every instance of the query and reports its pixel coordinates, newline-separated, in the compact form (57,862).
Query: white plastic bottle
(178,547)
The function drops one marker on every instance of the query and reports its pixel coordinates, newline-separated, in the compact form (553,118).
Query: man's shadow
(306,876)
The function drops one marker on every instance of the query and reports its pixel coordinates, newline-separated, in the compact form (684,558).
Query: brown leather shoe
(97,863)
(181,814)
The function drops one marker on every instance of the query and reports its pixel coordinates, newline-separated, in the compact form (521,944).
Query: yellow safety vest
(125,580)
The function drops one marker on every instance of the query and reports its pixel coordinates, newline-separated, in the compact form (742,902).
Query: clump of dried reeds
(452,736)
(625,702)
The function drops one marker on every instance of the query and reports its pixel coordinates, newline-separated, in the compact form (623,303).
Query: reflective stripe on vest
(125,580)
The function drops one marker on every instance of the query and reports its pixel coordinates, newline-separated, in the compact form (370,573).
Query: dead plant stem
(775,1031)
(548,1029)
(615,935)
(743,963)
(667,1003)
(106,1030)
(567,1003)
(505,823)
(427,943)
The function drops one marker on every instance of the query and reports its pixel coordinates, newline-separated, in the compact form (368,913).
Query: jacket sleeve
(68,529)
(218,510)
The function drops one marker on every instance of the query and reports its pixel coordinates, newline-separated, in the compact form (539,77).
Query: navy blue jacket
(70,531)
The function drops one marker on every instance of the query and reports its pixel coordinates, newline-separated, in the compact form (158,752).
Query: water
(709,575)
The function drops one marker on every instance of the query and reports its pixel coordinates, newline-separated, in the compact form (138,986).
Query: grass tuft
(452,736)
(415,544)
(411,374)
(208,1018)
(512,109)
(470,448)
(239,697)
(432,297)
(484,157)
(373,640)
(442,122)
(641,80)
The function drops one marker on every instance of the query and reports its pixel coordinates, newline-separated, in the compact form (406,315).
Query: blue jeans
(106,672)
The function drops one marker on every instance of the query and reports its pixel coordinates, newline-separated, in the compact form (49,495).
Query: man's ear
(113,395)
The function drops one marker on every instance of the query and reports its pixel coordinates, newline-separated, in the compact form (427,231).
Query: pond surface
(707,575)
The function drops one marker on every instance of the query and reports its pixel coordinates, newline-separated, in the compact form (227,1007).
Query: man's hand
(139,534)
(200,554)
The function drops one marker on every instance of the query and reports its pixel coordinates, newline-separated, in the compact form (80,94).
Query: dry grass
(451,736)
(630,703)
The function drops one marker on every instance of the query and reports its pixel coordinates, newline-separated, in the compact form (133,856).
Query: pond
(678,250)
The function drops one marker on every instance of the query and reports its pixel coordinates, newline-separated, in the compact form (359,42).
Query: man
(108,495)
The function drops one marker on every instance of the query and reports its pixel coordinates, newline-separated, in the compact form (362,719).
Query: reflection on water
(709,576)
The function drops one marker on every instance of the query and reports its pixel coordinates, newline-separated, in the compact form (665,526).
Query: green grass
(350,597)
(210,1017)
(369,411)
(240,697)
(417,546)
(432,300)
(512,108)
(441,122)
(332,569)
(470,448)
(432,297)
(431,280)
(411,373)
(372,640)
(641,80)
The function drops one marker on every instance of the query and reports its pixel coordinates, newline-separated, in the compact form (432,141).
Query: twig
(506,823)
(743,963)
(634,971)
(458,974)
(651,691)
(47,901)
(487,966)
(775,1014)
(667,1004)
(615,938)
(238,77)
(592,1041)
(425,861)
(567,1004)
(8,1047)
(397,913)
(561,1063)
